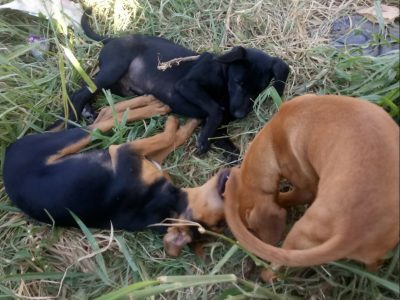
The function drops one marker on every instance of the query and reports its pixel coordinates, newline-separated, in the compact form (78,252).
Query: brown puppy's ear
(237,53)
(175,239)
(267,221)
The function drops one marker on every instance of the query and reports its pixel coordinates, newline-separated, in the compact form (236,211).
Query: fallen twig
(176,61)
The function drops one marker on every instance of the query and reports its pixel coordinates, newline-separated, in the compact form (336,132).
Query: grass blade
(394,287)
(166,284)
(102,271)
(127,290)
(275,96)
(127,254)
(41,276)
(71,57)
(223,260)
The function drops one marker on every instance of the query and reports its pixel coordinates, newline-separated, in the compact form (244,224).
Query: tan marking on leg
(149,173)
(171,125)
(270,275)
(135,103)
(183,133)
(142,107)
(113,151)
(167,176)
(132,115)
(106,112)
(58,128)
(70,149)
(150,146)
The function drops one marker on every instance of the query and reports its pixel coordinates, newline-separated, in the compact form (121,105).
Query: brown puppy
(342,156)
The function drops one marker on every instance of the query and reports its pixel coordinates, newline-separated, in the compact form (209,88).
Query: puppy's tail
(89,31)
(327,251)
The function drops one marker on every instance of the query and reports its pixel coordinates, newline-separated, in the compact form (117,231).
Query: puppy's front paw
(175,239)
(268,276)
(172,121)
(88,113)
(202,147)
(161,108)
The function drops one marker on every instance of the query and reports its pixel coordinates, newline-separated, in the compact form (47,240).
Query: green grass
(34,257)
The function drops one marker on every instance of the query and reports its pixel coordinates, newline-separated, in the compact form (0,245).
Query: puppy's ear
(237,53)
(281,72)
(267,221)
(223,176)
(232,182)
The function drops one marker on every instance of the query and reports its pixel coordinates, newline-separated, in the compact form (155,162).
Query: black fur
(217,89)
(85,184)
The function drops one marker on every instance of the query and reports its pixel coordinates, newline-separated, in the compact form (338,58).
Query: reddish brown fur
(205,205)
(342,155)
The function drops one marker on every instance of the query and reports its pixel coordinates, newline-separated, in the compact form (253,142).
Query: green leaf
(71,57)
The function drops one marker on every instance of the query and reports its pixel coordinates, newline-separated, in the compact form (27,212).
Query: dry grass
(33,256)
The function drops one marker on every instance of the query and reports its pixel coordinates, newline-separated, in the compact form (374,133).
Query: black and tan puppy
(214,88)
(46,177)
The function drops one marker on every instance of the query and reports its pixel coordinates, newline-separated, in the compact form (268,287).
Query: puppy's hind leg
(145,107)
(134,103)
(183,133)
(159,146)
(109,74)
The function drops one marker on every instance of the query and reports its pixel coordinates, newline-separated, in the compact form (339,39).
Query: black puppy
(47,177)
(217,89)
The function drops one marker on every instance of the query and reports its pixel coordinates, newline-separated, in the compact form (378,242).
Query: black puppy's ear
(237,53)
(281,72)
(222,179)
